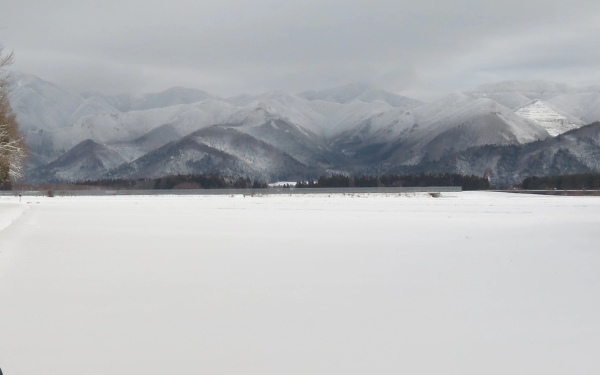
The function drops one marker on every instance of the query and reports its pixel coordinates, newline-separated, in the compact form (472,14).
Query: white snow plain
(468,283)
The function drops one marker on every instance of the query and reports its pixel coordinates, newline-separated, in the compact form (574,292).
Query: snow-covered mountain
(451,124)
(354,128)
(40,104)
(576,151)
(86,161)
(474,123)
(216,149)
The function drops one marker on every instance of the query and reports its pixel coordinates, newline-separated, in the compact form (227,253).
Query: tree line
(586,181)
(189,181)
(391,180)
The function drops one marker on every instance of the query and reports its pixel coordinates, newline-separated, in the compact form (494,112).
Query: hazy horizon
(229,48)
(430,98)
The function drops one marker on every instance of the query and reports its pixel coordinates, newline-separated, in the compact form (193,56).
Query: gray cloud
(229,47)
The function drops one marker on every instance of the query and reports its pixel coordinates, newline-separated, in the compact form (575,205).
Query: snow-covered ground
(469,283)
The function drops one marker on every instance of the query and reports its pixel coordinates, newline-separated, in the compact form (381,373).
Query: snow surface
(469,283)
(554,122)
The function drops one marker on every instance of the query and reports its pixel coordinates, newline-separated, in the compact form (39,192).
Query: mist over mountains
(507,131)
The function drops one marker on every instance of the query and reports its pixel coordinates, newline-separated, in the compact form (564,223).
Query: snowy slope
(40,104)
(90,107)
(110,128)
(302,144)
(468,124)
(351,117)
(554,122)
(582,103)
(278,105)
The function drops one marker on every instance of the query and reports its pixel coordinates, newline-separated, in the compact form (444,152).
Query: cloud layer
(234,46)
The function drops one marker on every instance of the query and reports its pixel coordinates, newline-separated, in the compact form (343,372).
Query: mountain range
(507,131)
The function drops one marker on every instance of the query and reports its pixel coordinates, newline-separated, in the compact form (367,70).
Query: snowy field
(469,283)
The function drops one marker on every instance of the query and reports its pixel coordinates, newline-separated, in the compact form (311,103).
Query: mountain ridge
(349,129)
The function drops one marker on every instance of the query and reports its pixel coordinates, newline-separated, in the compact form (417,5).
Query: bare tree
(12,146)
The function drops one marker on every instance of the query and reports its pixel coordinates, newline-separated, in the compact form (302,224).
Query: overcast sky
(422,48)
